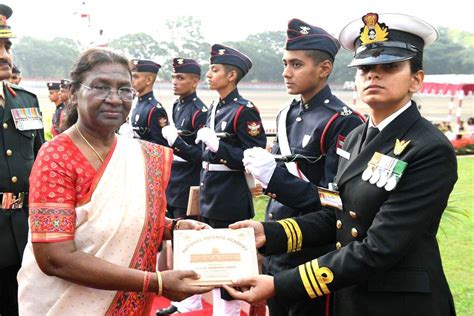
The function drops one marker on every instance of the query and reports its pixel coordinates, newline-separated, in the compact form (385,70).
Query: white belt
(178,158)
(216,167)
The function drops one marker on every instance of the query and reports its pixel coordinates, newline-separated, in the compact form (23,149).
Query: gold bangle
(160,283)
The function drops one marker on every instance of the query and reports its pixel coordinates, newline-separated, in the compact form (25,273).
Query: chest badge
(400,146)
(305,141)
(223,125)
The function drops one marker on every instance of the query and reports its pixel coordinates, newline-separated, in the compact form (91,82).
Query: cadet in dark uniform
(393,181)
(21,135)
(58,115)
(15,78)
(225,194)
(148,116)
(188,116)
(313,126)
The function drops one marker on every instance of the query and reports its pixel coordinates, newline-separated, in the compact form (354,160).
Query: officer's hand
(176,287)
(253,289)
(260,163)
(170,133)
(259,232)
(183,224)
(208,137)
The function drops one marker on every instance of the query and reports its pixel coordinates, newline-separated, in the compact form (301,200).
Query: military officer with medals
(15,78)
(148,116)
(392,188)
(188,116)
(21,135)
(225,195)
(313,127)
(57,126)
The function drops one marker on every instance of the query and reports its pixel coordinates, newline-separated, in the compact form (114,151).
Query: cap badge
(373,31)
(304,29)
(221,51)
(400,146)
(180,61)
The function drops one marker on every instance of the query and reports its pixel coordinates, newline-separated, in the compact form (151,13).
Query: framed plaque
(218,255)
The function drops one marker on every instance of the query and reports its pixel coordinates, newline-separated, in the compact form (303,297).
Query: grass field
(456,238)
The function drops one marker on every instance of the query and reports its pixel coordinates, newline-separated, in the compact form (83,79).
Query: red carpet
(162,302)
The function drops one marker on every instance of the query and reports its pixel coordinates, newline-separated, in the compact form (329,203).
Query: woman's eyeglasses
(103,92)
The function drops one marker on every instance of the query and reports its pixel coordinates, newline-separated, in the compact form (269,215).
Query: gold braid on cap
(373,31)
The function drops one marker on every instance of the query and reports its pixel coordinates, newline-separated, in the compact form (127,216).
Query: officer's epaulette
(199,104)
(337,106)
(13,88)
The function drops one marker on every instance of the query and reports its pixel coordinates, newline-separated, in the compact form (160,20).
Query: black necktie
(371,133)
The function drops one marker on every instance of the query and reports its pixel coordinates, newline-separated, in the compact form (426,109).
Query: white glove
(208,137)
(170,133)
(260,163)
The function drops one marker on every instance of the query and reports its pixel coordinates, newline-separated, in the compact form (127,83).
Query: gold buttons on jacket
(9,152)
(353,214)
(339,224)
(338,245)
(5,125)
(354,232)
(223,161)
(14,179)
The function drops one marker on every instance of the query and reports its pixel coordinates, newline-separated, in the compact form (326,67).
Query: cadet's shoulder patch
(162,121)
(345,111)
(254,128)
(241,101)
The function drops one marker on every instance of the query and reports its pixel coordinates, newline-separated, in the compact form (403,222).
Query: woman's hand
(190,224)
(260,238)
(252,290)
(176,287)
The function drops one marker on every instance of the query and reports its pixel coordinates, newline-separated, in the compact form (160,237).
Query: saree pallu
(122,223)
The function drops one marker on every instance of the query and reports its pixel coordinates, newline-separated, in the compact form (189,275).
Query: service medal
(375,176)
(391,183)
(383,179)
(367,173)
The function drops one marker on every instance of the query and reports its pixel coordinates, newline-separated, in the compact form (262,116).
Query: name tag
(330,198)
(344,154)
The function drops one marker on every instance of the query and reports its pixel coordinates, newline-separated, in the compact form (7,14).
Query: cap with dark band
(183,65)
(303,36)
(65,83)
(221,54)
(386,38)
(53,86)
(5,13)
(143,65)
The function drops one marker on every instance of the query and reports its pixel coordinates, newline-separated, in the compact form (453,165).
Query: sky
(221,20)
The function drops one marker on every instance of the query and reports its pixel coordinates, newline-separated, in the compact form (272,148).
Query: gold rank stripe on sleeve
(293,234)
(315,279)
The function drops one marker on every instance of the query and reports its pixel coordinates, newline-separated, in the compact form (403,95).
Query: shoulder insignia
(158,105)
(10,89)
(204,109)
(254,128)
(250,104)
(345,111)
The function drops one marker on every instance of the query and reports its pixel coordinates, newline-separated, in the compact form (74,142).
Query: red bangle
(146,282)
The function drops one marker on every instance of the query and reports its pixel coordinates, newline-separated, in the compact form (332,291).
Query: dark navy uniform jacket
(225,195)
(305,125)
(387,260)
(189,115)
(57,120)
(148,118)
(18,150)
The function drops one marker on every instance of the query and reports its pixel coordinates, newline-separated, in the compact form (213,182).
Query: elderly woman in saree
(97,205)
